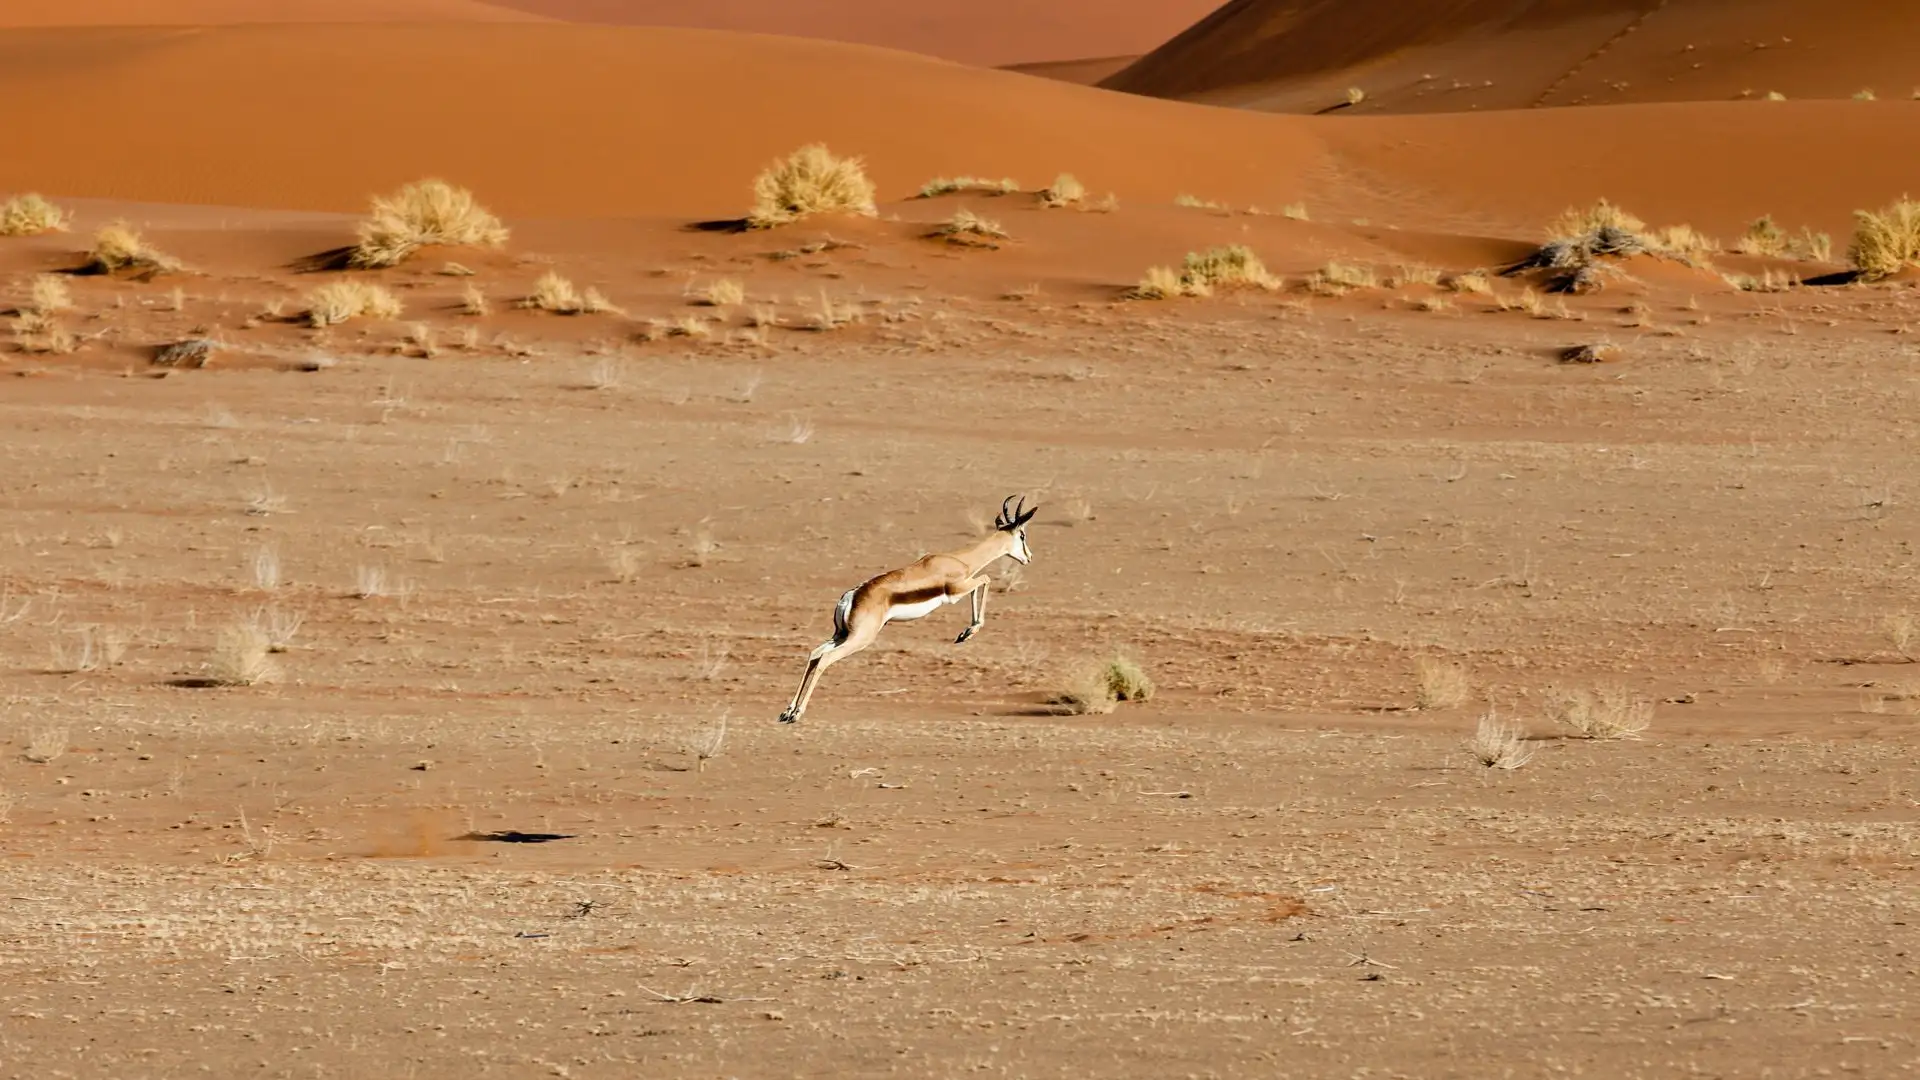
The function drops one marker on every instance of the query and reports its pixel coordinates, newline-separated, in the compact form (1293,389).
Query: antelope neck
(979,555)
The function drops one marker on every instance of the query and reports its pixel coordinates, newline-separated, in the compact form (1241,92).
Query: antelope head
(1013,520)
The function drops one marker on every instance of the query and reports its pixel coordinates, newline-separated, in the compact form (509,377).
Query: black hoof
(789,718)
(962,639)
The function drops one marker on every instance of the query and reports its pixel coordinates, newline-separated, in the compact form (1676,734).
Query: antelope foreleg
(979,611)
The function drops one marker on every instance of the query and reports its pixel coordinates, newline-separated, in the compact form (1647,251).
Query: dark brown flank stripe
(918,596)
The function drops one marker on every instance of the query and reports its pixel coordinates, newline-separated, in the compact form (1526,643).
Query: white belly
(910,612)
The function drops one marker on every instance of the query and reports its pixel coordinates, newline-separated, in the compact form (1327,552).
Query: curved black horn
(1005,520)
(1020,518)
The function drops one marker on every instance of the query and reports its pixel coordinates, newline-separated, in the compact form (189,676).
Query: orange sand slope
(988,33)
(576,121)
(1302,55)
(225,12)
(562,121)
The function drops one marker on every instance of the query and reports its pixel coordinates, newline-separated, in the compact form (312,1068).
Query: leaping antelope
(912,592)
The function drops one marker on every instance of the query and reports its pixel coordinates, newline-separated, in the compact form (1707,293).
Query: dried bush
(1887,241)
(339,301)
(423,214)
(810,181)
(30,215)
(1609,712)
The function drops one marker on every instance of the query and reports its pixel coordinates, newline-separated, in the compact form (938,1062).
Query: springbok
(913,591)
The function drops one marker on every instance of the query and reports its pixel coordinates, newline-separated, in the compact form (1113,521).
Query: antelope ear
(1026,517)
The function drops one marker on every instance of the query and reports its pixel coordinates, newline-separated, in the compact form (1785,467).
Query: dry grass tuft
(723,293)
(810,181)
(558,295)
(1684,240)
(1762,237)
(1125,680)
(1601,217)
(1888,241)
(1577,238)
(832,314)
(1296,211)
(1769,281)
(277,627)
(1497,744)
(49,295)
(1099,689)
(1064,191)
(1610,712)
(950,185)
(117,246)
(1443,685)
(240,656)
(1336,278)
(30,215)
(1473,281)
(967,227)
(45,745)
(474,301)
(38,332)
(336,302)
(423,214)
(1085,696)
(1164,283)
(1194,202)
(1412,275)
(1234,265)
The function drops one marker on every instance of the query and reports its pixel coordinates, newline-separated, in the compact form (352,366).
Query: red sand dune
(1301,55)
(988,33)
(583,122)
(226,12)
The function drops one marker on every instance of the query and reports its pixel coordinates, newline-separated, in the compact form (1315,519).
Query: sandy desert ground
(509,799)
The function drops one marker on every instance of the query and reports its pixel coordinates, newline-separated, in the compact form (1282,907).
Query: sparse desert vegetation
(968,228)
(1338,278)
(1499,744)
(341,301)
(560,296)
(1764,237)
(426,213)
(1609,712)
(1064,191)
(30,215)
(1886,241)
(725,292)
(1100,688)
(1232,266)
(955,185)
(118,247)
(240,656)
(1202,272)
(810,181)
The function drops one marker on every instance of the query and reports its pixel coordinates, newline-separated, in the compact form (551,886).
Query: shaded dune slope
(225,12)
(574,122)
(987,33)
(1453,55)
